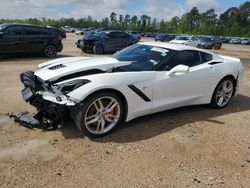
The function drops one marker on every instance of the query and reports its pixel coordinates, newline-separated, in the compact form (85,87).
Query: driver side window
(186,57)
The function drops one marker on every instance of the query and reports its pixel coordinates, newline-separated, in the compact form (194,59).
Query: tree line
(235,21)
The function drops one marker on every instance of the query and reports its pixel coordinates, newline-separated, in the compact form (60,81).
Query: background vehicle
(80,31)
(105,41)
(68,29)
(245,41)
(209,42)
(135,34)
(187,40)
(21,38)
(235,41)
(101,93)
(163,37)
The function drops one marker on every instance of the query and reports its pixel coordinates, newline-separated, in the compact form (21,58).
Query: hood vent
(57,67)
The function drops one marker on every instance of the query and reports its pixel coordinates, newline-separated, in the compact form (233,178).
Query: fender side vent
(215,62)
(139,93)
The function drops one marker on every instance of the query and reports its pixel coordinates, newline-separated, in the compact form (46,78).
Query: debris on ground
(25,119)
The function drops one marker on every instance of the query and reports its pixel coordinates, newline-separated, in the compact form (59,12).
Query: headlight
(72,85)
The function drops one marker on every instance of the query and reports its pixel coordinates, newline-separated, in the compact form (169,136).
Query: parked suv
(22,38)
(105,41)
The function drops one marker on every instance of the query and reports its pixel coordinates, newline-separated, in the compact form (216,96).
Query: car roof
(15,24)
(173,46)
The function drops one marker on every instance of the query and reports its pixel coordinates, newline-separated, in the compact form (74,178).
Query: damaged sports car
(100,93)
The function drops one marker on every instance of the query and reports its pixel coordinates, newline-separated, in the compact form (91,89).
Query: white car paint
(164,90)
(192,41)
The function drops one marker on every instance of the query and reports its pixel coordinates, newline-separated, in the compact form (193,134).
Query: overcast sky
(160,9)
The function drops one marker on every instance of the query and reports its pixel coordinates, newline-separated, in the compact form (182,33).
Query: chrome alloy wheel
(102,115)
(224,93)
(50,51)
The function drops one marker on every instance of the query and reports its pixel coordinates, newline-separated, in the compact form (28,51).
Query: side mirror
(178,69)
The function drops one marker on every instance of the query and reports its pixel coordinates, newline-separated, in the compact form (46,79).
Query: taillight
(59,37)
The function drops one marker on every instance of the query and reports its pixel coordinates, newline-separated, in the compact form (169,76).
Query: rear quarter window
(47,31)
(205,57)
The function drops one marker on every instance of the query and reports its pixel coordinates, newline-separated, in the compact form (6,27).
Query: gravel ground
(186,147)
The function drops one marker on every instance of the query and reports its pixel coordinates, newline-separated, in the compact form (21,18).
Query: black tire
(98,49)
(198,46)
(50,51)
(214,103)
(86,106)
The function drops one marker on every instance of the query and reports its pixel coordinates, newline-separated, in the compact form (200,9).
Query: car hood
(90,36)
(178,41)
(53,70)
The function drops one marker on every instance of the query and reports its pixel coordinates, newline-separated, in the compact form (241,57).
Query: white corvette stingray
(102,92)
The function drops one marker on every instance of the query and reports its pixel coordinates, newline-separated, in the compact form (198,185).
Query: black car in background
(163,37)
(209,42)
(22,38)
(105,41)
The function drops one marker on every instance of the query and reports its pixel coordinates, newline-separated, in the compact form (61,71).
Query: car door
(12,40)
(33,38)
(112,42)
(183,89)
(124,40)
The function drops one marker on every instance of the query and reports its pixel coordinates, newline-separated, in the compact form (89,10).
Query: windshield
(182,38)
(143,57)
(2,26)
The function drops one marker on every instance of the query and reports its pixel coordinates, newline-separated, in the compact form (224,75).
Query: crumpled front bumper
(52,106)
(35,88)
(59,99)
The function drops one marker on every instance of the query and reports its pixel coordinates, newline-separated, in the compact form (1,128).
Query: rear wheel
(50,51)
(98,49)
(223,93)
(100,115)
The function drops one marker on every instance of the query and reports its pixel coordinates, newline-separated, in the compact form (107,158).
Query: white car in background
(101,93)
(187,40)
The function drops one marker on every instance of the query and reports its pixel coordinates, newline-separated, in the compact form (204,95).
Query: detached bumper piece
(37,121)
(25,119)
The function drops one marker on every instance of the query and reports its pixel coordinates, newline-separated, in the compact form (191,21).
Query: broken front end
(50,100)
(86,45)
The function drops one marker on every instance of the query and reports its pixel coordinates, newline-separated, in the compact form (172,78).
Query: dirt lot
(187,147)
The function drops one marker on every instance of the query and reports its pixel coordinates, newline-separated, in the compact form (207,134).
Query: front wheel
(223,93)
(98,49)
(50,51)
(100,115)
